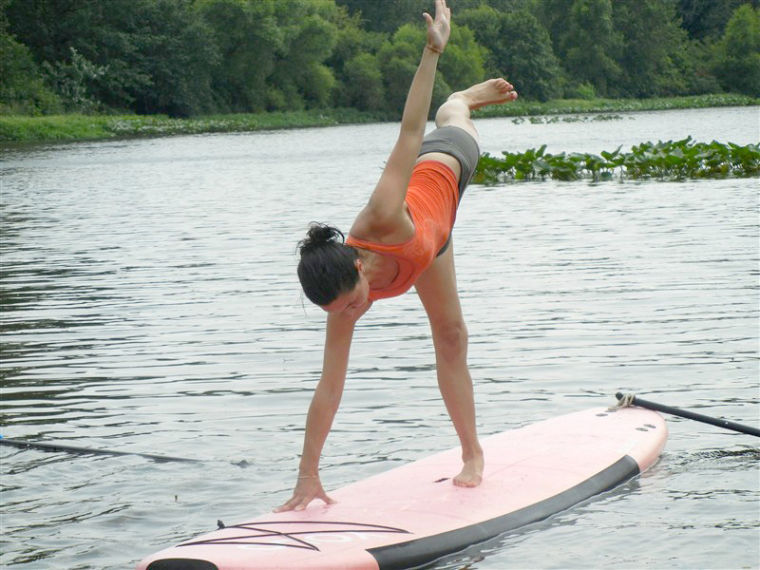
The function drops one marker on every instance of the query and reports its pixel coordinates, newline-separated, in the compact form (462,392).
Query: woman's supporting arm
(324,406)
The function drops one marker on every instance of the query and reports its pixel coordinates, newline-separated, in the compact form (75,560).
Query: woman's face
(352,302)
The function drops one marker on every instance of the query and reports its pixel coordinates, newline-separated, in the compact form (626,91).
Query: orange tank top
(432,199)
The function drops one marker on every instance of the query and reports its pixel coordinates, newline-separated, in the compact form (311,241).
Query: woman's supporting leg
(437,290)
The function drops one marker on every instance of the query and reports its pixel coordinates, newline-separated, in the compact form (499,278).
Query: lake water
(150,304)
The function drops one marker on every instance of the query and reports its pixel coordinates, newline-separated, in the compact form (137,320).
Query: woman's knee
(451,339)
(454,113)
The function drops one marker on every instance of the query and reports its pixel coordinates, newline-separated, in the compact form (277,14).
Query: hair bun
(319,235)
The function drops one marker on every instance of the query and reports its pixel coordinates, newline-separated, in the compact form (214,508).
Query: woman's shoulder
(373,226)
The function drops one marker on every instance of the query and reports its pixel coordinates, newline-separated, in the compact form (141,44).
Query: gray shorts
(458,143)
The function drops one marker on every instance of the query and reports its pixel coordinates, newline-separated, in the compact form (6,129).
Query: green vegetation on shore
(77,127)
(597,105)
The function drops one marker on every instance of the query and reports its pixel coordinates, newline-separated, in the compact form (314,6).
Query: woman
(401,238)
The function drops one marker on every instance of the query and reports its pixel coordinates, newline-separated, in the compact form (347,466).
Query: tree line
(192,57)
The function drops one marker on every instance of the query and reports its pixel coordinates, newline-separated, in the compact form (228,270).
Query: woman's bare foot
(471,474)
(490,92)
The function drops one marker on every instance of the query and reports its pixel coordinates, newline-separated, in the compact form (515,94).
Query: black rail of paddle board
(425,550)
(182,564)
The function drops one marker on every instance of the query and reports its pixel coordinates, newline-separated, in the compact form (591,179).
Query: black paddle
(85,450)
(631,399)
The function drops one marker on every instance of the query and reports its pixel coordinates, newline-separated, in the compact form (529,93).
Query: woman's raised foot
(489,92)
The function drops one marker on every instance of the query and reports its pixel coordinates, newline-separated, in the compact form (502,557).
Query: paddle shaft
(84,450)
(692,415)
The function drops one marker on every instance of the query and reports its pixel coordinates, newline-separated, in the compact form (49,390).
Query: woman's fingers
(442,10)
(327,499)
(296,503)
(438,28)
(303,496)
(442,14)
(289,506)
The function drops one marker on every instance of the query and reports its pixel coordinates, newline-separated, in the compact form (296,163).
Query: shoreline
(22,130)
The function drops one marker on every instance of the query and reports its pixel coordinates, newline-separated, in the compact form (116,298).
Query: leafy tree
(706,19)
(519,48)
(359,81)
(55,31)
(363,87)
(387,16)
(653,42)
(738,52)
(501,6)
(49,28)
(73,81)
(248,39)
(398,59)
(157,54)
(585,41)
(300,77)
(460,66)
(22,89)
(591,45)
(174,49)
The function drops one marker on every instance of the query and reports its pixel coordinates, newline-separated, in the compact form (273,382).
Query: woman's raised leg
(456,110)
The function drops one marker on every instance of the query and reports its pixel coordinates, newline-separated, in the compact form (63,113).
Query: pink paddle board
(413,514)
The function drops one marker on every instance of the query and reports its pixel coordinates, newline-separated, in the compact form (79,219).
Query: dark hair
(327,267)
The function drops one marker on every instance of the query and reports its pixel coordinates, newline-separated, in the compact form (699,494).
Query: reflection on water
(150,304)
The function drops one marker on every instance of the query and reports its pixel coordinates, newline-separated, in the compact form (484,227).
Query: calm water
(150,304)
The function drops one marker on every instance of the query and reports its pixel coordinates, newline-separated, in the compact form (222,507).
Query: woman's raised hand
(438,30)
(307,489)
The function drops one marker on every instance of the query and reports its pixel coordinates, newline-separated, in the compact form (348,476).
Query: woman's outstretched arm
(385,214)
(324,406)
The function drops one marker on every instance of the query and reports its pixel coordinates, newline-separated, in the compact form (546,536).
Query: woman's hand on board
(438,29)
(307,489)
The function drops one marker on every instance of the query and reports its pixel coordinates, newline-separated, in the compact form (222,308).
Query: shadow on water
(715,459)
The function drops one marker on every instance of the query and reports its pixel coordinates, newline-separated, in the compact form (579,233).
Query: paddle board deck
(413,514)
